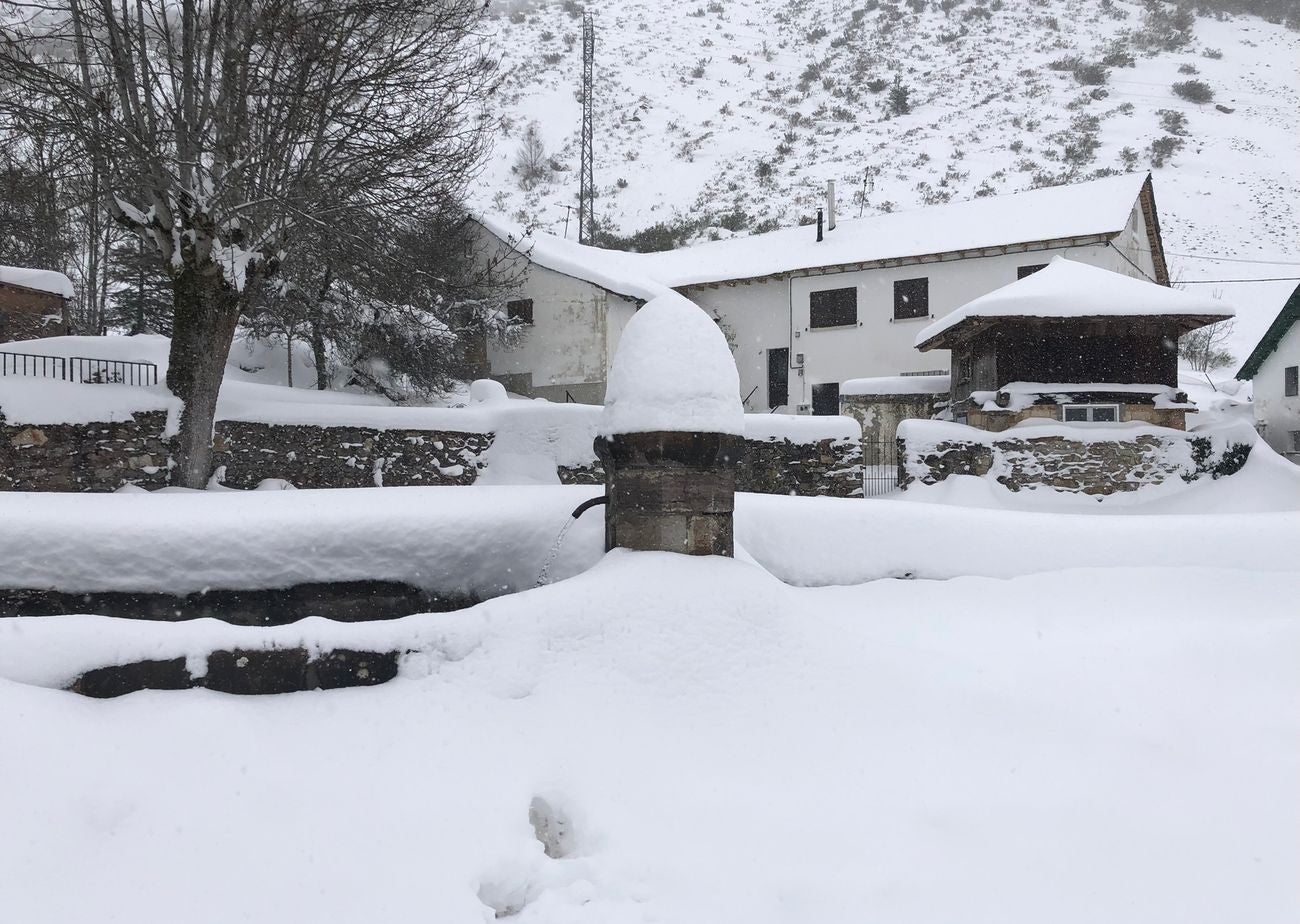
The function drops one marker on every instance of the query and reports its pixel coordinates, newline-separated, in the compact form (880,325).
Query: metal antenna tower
(587,185)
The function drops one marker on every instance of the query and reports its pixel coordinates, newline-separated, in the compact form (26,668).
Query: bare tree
(406,319)
(1203,349)
(219,130)
(531,164)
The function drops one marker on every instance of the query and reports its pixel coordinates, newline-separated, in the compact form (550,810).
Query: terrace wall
(1076,462)
(107,456)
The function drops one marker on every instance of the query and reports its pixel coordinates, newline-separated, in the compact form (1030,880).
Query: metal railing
(85,369)
(49,367)
(879,467)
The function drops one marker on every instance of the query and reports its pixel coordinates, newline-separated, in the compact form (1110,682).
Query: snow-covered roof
(37,279)
(897,385)
(615,270)
(1288,316)
(1098,207)
(1068,289)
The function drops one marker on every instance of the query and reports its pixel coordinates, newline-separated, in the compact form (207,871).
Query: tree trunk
(206,312)
(318,351)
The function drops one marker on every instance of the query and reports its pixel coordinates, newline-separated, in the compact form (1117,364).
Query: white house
(804,314)
(1274,369)
(571,303)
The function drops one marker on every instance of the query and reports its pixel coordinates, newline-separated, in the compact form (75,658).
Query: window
(1090,413)
(520,311)
(911,298)
(1295,440)
(833,307)
(826,399)
(1292,374)
(1023,271)
(778,377)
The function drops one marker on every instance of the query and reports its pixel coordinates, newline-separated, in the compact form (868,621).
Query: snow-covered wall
(510,442)
(1094,460)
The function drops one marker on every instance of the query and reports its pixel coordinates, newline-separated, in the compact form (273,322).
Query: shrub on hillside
(1187,69)
(1162,149)
(1173,122)
(1165,27)
(1194,91)
(1091,74)
(1119,57)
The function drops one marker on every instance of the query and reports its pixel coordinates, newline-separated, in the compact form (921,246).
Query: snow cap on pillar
(673,372)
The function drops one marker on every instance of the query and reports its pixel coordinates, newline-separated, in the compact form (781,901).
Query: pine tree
(140,293)
(899,104)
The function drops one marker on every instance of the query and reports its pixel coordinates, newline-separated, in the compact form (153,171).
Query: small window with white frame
(1090,413)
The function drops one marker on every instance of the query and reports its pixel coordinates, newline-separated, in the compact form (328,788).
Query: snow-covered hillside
(733,114)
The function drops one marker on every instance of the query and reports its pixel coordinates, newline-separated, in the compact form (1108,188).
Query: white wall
(1279,414)
(567,342)
(765,315)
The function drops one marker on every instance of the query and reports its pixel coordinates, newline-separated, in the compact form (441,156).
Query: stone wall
(824,468)
(345,457)
(830,468)
(26,314)
(107,456)
(84,457)
(1081,466)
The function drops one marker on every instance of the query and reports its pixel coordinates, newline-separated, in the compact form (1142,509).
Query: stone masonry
(1099,467)
(345,457)
(670,492)
(84,457)
(107,456)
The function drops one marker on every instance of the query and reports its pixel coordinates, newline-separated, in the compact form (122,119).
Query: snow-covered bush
(1195,91)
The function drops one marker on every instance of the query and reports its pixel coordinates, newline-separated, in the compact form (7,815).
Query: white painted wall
(764,315)
(1279,415)
(570,339)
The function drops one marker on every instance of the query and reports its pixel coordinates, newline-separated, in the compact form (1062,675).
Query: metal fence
(86,369)
(879,467)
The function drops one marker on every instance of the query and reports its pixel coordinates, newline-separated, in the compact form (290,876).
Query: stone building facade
(27,314)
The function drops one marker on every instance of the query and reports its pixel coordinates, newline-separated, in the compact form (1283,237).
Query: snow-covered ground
(887,710)
(1113,744)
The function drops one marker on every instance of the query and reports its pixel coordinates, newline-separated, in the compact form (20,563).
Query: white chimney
(830,205)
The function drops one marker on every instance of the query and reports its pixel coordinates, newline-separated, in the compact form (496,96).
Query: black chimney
(819,224)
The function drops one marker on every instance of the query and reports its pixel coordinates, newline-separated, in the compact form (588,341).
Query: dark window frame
(834,309)
(1029,269)
(911,298)
(1291,381)
(1089,412)
(519,311)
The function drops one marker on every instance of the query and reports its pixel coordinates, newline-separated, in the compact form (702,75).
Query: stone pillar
(670,492)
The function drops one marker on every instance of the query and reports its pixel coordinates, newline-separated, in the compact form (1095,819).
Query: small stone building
(1071,343)
(33,303)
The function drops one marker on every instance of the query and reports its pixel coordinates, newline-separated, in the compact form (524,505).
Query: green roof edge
(1272,337)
